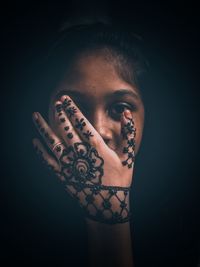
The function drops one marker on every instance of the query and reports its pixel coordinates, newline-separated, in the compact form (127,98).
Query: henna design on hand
(44,133)
(66,103)
(106,204)
(68,109)
(58,148)
(82,170)
(66,128)
(70,135)
(58,108)
(62,120)
(81,162)
(129,129)
(71,111)
(80,124)
(88,134)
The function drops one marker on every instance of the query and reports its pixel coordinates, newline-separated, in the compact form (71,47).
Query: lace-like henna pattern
(129,149)
(106,204)
(82,170)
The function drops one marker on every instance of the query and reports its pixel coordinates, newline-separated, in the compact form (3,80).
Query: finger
(65,127)
(84,128)
(48,160)
(53,142)
(128,132)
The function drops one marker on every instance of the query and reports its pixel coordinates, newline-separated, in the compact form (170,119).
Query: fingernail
(64,97)
(128,114)
(35,116)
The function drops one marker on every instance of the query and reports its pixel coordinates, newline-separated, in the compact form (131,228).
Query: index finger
(84,128)
(54,143)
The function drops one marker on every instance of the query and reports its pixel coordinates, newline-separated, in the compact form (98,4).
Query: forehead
(93,75)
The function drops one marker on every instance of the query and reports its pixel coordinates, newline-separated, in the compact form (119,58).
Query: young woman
(96,118)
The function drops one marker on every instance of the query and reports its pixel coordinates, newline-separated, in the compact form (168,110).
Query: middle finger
(65,127)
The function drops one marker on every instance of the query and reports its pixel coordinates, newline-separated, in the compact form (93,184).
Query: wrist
(105,204)
(109,205)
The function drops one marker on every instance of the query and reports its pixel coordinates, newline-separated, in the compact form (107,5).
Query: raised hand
(98,177)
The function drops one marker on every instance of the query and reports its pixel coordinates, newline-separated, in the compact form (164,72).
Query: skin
(92,77)
(107,104)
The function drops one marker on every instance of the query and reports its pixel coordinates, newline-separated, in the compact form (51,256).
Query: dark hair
(117,42)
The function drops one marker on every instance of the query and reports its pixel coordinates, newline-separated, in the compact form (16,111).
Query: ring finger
(54,143)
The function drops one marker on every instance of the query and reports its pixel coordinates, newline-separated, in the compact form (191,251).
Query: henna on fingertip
(128,132)
(43,131)
(79,122)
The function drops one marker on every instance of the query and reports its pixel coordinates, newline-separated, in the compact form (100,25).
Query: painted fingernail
(128,114)
(35,116)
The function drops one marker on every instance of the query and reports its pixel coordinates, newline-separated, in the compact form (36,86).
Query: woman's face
(102,96)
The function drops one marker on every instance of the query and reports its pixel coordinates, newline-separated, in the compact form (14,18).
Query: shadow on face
(102,96)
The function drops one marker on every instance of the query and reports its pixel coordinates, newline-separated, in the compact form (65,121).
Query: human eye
(118,108)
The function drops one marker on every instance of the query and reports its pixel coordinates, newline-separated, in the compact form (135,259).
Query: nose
(103,126)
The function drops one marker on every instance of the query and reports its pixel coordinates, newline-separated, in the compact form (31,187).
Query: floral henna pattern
(129,149)
(58,149)
(68,108)
(71,111)
(80,124)
(88,134)
(82,169)
(82,163)
(66,103)
(106,204)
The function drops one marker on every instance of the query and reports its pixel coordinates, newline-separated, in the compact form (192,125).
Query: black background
(40,225)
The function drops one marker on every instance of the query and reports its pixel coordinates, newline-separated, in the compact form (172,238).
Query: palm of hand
(91,171)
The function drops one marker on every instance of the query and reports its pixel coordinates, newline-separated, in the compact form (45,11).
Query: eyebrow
(70,93)
(117,93)
(122,92)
